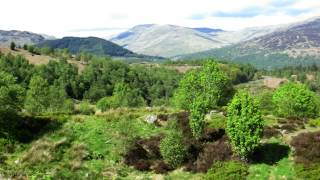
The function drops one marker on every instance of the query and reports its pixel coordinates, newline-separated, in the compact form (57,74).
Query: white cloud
(62,17)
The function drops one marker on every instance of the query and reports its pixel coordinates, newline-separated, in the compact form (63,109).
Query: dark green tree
(11,96)
(12,46)
(37,99)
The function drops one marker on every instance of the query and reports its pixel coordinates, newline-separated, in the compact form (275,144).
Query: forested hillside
(91,45)
(113,119)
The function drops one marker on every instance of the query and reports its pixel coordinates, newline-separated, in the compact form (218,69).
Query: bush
(212,152)
(68,106)
(85,108)
(245,124)
(172,149)
(307,147)
(296,100)
(104,104)
(12,46)
(227,171)
(314,122)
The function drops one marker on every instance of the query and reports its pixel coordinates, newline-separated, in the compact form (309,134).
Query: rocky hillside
(20,37)
(292,44)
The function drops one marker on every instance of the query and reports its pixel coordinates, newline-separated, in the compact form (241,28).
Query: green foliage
(172,149)
(68,106)
(105,103)
(265,101)
(295,100)
(227,171)
(124,96)
(197,115)
(18,66)
(210,82)
(85,108)
(11,97)
(25,46)
(56,97)
(311,172)
(37,100)
(31,49)
(245,124)
(200,90)
(61,73)
(314,122)
(217,121)
(282,169)
(12,46)
(91,45)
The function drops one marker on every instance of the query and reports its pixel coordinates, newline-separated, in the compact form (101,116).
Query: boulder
(151,119)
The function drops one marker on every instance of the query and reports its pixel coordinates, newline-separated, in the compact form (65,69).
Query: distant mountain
(21,37)
(208,30)
(171,40)
(166,40)
(91,45)
(293,44)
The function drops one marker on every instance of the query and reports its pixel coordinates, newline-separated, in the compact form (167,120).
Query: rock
(151,119)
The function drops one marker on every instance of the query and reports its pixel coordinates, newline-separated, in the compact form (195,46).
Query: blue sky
(103,18)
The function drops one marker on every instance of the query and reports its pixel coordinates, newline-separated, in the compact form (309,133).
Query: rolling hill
(91,45)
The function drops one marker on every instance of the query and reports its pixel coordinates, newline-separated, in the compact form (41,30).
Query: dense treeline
(98,79)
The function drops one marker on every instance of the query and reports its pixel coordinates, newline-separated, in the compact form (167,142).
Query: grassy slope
(104,138)
(38,59)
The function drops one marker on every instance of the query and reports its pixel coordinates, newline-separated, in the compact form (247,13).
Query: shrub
(85,108)
(212,152)
(244,125)
(296,100)
(12,46)
(104,104)
(227,171)
(172,149)
(307,147)
(314,122)
(68,106)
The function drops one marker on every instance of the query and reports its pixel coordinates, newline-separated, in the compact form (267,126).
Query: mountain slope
(170,40)
(91,45)
(293,44)
(166,40)
(20,37)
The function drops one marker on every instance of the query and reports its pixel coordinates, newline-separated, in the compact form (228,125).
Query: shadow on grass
(26,129)
(270,153)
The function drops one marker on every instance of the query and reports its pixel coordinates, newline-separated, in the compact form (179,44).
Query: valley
(160,90)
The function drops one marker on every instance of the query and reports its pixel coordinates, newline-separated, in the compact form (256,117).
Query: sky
(103,18)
